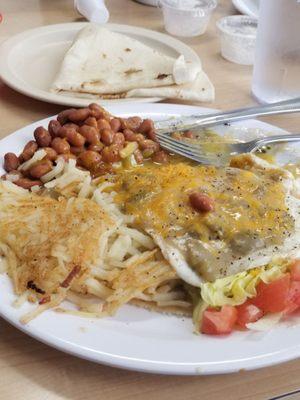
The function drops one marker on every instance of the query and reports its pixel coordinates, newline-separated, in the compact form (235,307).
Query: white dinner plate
(30,60)
(141,340)
(248,7)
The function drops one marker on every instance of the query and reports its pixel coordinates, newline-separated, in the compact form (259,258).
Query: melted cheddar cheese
(248,203)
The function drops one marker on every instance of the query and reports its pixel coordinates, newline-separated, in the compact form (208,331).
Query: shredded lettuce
(234,290)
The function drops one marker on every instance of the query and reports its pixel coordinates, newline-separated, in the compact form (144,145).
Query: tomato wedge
(294,292)
(293,299)
(248,312)
(295,271)
(272,297)
(216,322)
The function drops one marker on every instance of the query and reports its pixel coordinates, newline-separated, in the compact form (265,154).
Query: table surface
(31,370)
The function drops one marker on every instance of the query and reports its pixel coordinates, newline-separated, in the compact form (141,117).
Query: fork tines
(194,152)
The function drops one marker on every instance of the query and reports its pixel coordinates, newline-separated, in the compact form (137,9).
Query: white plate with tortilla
(30,61)
(141,340)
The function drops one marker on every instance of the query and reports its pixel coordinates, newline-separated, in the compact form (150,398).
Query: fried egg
(256,215)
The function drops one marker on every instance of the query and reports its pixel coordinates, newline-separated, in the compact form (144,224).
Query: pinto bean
(42,137)
(89,133)
(53,127)
(98,111)
(133,123)
(119,138)
(152,135)
(29,150)
(11,162)
(115,124)
(129,135)
(107,136)
(79,115)
(40,169)
(101,169)
(63,116)
(91,121)
(89,159)
(71,125)
(95,106)
(161,157)
(63,131)
(146,126)
(111,154)
(98,147)
(51,153)
(201,202)
(77,150)
(75,138)
(60,145)
(139,137)
(147,153)
(148,144)
(103,124)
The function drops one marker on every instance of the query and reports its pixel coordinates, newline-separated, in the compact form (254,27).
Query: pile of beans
(90,135)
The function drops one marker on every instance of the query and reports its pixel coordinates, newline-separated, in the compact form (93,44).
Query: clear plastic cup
(276,75)
(238,37)
(187,17)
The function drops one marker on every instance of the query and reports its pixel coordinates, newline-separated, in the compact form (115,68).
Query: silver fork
(198,153)
(187,122)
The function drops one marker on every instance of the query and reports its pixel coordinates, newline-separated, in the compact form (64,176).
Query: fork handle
(273,139)
(194,121)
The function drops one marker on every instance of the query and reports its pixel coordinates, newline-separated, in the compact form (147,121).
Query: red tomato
(290,308)
(248,312)
(293,299)
(295,271)
(272,297)
(216,322)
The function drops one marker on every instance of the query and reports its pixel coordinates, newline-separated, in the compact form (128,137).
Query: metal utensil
(197,152)
(215,118)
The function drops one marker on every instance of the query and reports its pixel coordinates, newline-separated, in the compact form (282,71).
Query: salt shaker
(276,73)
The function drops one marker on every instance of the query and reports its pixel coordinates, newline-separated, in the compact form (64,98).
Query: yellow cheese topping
(248,204)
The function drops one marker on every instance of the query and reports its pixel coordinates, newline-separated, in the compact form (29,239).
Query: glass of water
(276,73)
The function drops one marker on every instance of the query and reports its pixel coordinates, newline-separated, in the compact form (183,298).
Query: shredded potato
(38,155)
(71,242)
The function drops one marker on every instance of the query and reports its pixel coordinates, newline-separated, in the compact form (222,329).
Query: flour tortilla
(106,64)
(201,89)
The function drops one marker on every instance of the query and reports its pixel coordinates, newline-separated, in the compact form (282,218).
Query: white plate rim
(9,77)
(144,365)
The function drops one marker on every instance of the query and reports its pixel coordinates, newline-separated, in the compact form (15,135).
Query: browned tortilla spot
(127,49)
(132,71)
(113,96)
(93,82)
(162,76)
